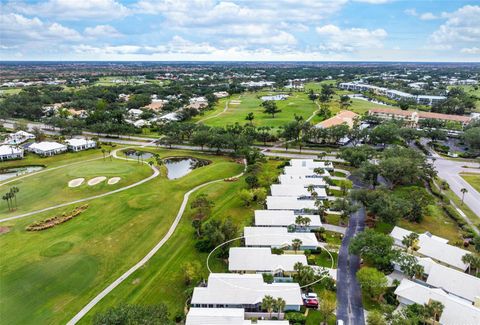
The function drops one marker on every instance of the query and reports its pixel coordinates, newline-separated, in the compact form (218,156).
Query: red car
(311,302)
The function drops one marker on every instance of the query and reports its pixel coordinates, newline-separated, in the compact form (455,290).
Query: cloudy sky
(298,30)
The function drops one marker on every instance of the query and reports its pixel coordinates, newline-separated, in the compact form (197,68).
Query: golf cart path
(216,115)
(156,173)
(149,255)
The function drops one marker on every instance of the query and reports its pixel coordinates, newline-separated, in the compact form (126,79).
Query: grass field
(49,188)
(48,276)
(162,279)
(472,179)
(470,90)
(298,103)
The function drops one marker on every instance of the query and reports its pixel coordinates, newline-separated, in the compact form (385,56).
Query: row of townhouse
(229,298)
(45,148)
(391,93)
(443,279)
(412,118)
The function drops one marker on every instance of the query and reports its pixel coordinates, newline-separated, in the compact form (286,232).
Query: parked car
(310,300)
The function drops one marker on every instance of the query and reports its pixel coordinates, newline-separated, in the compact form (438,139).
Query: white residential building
(434,247)
(80,144)
(455,282)
(277,237)
(220,94)
(303,171)
(284,218)
(296,191)
(232,290)
(10,152)
(224,316)
(18,137)
(290,203)
(311,164)
(135,113)
(261,260)
(47,148)
(301,180)
(455,310)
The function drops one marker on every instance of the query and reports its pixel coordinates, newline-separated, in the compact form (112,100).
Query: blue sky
(373,30)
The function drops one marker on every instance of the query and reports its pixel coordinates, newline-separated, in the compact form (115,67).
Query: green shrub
(295,317)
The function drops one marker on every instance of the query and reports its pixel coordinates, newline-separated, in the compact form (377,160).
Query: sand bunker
(113,180)
(235,102)
(96,180)
(76,182)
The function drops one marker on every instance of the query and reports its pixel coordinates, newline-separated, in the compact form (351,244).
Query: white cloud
(17,29)
(471,50)
(102,31)
(462,26)
(71,9)
(375,2)
(337,39)
(428,16)
(411,12)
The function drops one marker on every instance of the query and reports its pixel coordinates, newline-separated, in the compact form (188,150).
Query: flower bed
(52,222)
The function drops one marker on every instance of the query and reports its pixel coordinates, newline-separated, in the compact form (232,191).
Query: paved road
(156,172)
(349,296)
(146,258)
(450,170)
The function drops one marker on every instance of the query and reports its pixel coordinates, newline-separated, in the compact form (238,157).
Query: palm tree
(434,310)
(296,244)
(306,221)
(321,155)
(7,198)
(138,154)
(410,240)
(299,220)
(464,191)
(267,304)
(103,152)
(14,190)
(279,304)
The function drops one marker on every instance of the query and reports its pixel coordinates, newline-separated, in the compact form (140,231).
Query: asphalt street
(349,296)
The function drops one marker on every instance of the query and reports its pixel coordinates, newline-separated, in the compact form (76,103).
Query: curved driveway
(147,257)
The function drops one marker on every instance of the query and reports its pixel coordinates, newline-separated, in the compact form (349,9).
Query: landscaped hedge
(52,222)
(452,213)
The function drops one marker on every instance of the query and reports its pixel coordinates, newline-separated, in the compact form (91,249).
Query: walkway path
(156,173)
(147,257)
(216,115)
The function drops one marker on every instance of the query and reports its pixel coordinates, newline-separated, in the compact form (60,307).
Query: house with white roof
(452,281)
(290,203)
(302,180)
(304,171)
(261,260)
(284,218)
(277,237)
(18,137)
(232,290)
(80,144)
(434,247)
(311,164)
(455,311)
(135,113)
(296,191)
(47,148)
(224,316)
(10,152)
(220,94)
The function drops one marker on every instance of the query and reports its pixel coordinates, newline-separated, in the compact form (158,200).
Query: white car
(310,295)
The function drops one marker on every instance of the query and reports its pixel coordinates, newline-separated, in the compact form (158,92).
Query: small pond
(180,166)
(275,97)
(141,154)
(6,173)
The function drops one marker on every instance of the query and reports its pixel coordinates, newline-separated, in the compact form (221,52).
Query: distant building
(156,104)
(344,117)
(198,102)
(412,117)
(135,113)
(80,144)
(10,152)
(277,237)
(221,94)
(285,218)
(18,137)
(47,148)
(224,316)
(124,97)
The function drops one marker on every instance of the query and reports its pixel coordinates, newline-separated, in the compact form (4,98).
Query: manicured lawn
(324,259)
(298,103)
(472,179)
(51,187)
(333,219)
(162,279)
(48,276)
